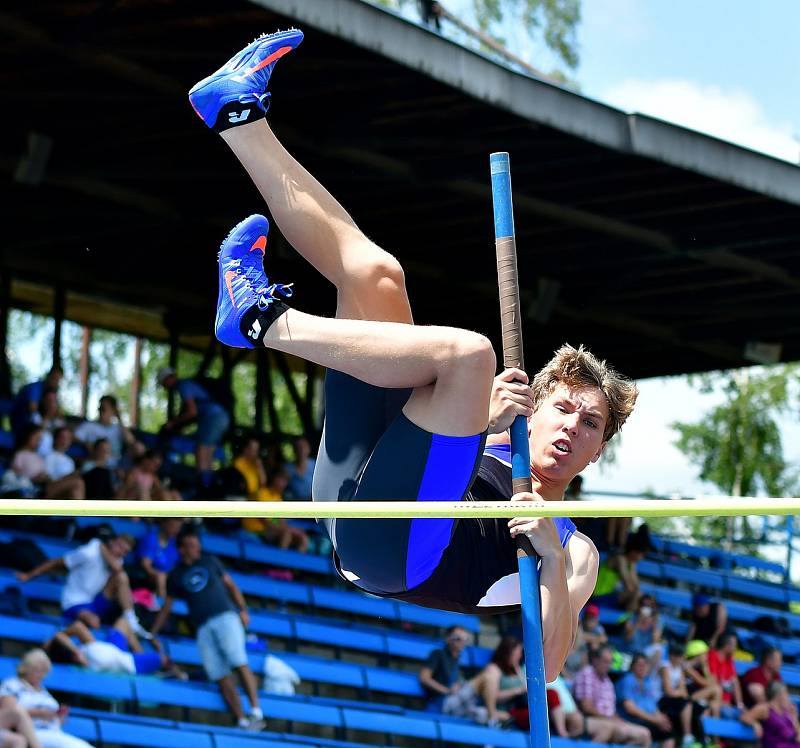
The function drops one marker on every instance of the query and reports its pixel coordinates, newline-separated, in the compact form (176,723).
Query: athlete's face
(566,432)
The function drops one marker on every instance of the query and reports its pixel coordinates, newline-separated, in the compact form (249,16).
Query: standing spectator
(47,715)
(218,612)
(757,679)
(676,702)
(639,695)
(260,488)
(27,463)
(197,405)
(596,698)
(709,620)
(441,674)
(108,426)
(25,406)
(617,580)
(643,632)
(300,471)
(157,554)
(723,668)
(775,720)
(97,587)
(700,683)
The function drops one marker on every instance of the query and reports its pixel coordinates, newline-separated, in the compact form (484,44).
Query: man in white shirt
(97,586)
(107,426)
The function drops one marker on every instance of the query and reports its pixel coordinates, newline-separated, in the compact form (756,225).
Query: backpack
(217,390)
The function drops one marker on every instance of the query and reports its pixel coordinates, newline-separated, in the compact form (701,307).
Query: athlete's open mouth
(563,446)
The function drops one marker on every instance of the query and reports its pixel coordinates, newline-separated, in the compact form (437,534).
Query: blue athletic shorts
(106,610)
(371,451)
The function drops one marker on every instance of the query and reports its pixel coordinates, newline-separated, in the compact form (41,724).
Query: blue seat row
(728,560)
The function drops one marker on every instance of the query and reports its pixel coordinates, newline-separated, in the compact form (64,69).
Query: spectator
(756,680)
(709,620)
(643,632)
(108,426)
(639,695)
(300,471)
(566,719)
(596,698)
(219,614)
(441,674)
(120,653)
(50,419)
(502,683)
(60,467)
(590,635)
(259,488)
(28,464)
(99,478)
(25,406)
(142,482)
(156,555)
(722,667)
(16,726)
(97,587)
(676,702)
(47,715)
(775,720)
(616,532)
(197,405)
(617,580)
(700,683)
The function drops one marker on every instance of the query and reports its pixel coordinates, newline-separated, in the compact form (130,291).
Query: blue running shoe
(238,90)
(246,298)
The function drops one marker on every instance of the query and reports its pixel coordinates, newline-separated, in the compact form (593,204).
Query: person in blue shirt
(25,406)
(157,554)
(197,405)
(301,470)
(638,694)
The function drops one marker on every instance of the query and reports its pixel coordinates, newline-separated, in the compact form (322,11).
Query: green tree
(737,445)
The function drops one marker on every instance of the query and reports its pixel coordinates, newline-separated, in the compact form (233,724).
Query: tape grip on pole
(500,169)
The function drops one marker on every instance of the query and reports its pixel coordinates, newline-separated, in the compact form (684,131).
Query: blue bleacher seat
(390,724)
(7,441)
(133,733)
(82,727)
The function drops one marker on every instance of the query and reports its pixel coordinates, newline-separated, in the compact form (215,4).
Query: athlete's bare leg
(369,281)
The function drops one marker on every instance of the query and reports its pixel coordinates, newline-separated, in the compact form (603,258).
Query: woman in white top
(47,715)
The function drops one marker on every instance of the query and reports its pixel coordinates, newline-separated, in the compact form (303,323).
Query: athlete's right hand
(511,397)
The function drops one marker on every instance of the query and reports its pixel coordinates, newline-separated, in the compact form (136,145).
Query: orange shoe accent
(260,244)
(229,276)
(276,55)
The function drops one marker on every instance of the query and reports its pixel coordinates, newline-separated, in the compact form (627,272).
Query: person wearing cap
(198,405)
(709,619)
(723,668)
(643,631)
(700,683)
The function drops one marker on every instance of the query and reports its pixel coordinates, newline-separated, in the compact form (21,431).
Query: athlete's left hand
(541,531)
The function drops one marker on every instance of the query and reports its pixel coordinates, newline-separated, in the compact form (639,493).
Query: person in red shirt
(722,667)
(756,679)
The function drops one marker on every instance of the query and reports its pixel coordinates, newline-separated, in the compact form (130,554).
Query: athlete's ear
(596,455)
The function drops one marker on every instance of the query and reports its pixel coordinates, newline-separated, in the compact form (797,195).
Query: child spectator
(700,683)
(143,483)
(723,668)
(676,702)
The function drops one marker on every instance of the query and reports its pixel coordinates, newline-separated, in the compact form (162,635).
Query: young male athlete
(407,407)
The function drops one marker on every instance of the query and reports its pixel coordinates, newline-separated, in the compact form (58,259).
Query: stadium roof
(664,250)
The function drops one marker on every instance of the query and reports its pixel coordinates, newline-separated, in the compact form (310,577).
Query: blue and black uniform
(371,451)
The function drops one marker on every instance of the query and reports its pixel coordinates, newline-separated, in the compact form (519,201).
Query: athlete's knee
(470,349)
(376,269)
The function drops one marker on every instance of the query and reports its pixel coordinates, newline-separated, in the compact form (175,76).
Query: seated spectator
(99,478)
(676,703)
(441,674)
(502,683)
(723,668)
(300,471)
(643,633)
(218,612)
(27,690)
(25,406)
(566,719)
(97,587)
(617,580)
(775,720)
(596,698)
(198,405)
(108,426)
(260,488)
(709,620)
(639,695)
(28,464)
(121,652)
(16,726)
(142,482)
(60,467)
(589,635)
(156,556)
(700,683)
(756,680)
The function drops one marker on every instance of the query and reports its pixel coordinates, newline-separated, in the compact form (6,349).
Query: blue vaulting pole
(505,246)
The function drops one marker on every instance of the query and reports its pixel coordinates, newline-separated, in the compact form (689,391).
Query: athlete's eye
(561,408)
(591,424)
